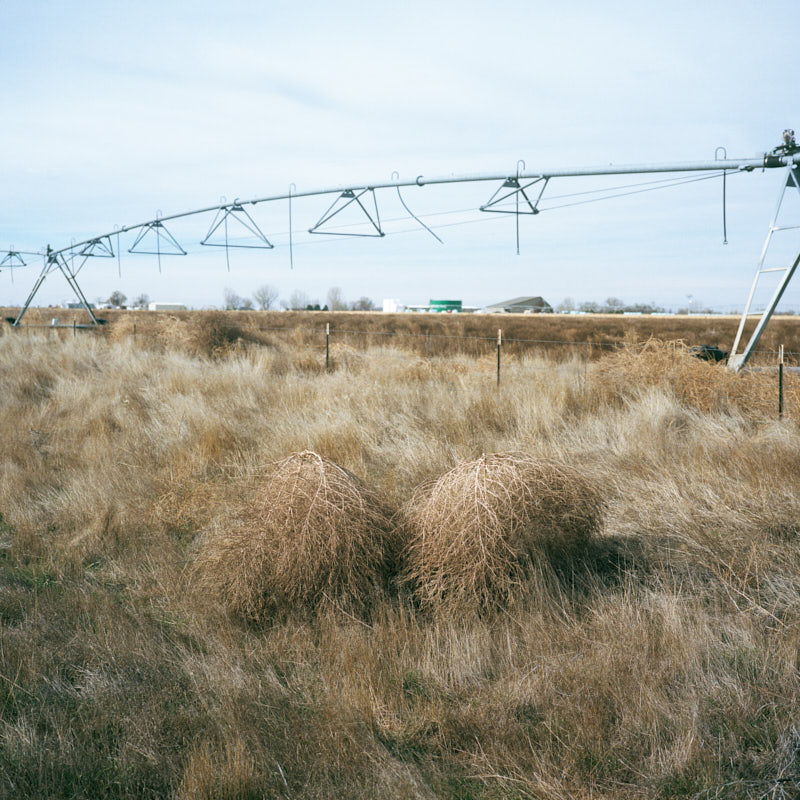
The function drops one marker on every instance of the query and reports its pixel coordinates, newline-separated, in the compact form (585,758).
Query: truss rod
(768,161)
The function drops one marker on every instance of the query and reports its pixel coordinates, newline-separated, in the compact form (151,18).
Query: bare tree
(336,301)
(116,299)
(363,304)
(566,305)
(265,296)
(231,299)
(142,301)
(298,300)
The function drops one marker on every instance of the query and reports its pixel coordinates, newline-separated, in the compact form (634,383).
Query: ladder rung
(773,269)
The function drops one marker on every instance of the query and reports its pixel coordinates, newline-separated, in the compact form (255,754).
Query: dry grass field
(226,572)
(557,336)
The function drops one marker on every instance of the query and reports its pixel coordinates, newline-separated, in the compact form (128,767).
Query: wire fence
(773,374)
(422,343)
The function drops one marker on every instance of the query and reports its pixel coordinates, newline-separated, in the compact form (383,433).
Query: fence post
(780,382)
(499,345)
(74,328)
(327,347)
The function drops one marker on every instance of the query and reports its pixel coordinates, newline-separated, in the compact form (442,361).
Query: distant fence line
(325,340)
(424,340)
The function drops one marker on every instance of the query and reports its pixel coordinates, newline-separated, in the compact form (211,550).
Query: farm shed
(522,305)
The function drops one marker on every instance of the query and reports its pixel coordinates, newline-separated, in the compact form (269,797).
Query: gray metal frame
(737,360)
(57,259)
(349,196)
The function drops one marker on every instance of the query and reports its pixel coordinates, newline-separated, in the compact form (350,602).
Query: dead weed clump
(474,534)
(122,328)
(209,334)
(197,333)
(304,534)
(704,385)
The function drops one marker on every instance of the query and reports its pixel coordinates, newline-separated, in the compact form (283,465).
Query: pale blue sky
(114,110)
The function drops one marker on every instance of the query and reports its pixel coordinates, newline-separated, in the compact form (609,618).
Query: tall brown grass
(660,660)
(435,335)
(706,386)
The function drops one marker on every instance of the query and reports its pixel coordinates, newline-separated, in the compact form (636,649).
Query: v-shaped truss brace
(513,188)
(155,235)
(238,214)
(343,201)
(12,259)
(97,248)
(737,361)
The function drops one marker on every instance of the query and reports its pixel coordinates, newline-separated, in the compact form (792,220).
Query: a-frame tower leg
(56,261)
(737,360)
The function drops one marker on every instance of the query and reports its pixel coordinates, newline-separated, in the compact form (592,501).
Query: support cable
(627,194)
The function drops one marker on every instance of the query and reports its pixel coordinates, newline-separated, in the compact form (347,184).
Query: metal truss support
(152,236)
(256,241)
(55,261)
(236,212)
(161,234)
(737,360)
(516,190)
(13,258)
(100,247)
(349,196)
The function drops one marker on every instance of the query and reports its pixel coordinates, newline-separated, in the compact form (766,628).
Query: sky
(118,112)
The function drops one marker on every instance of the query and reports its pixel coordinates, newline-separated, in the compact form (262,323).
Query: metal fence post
(499,345)
(780,382)
(327,346)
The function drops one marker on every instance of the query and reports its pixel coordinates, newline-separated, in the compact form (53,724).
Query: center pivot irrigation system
(519,194)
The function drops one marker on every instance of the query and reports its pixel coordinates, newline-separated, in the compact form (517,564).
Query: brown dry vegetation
(559,336)
(304,534)
(659,660)
(474,536)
